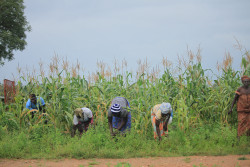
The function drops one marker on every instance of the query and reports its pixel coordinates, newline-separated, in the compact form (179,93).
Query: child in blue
(35,103)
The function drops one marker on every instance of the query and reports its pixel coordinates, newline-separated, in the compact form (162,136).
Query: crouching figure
(161,116)
(119,117)
(83,117)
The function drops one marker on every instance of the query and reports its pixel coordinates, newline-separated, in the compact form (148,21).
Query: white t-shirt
(87,114)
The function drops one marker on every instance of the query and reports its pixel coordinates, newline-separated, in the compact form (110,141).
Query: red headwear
(245,77)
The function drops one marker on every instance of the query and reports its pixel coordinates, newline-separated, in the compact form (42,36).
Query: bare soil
(188,161)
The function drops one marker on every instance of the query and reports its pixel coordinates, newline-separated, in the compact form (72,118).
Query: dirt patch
(188,161)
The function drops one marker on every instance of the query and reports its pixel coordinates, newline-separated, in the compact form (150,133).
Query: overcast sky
(91,30)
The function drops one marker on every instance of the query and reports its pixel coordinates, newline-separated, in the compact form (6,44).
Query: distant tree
(13,25)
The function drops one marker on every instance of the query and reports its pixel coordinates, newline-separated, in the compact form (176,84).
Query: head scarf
(116,108)
(165,108)
(244,77)
(78,112)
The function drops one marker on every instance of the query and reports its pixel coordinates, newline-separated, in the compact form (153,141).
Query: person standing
(242,97)
(161,116)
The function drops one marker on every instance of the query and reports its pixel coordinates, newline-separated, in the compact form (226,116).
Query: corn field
(196,97)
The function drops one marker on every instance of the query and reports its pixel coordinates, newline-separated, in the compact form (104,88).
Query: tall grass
(200,110)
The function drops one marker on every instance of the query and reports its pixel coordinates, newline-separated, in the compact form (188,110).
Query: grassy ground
(46,142)
(201,124)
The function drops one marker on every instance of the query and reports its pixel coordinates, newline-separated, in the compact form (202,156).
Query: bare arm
(73,133)
(110,125)
(157,124)
(236,97)
(165,126)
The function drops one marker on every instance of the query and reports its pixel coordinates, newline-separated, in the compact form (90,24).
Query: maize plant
(194,100)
